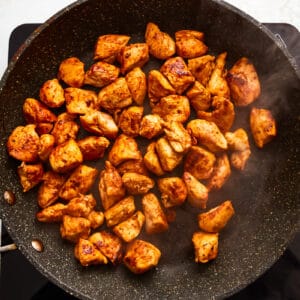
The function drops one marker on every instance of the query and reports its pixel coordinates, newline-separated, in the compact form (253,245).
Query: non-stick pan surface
(265,195)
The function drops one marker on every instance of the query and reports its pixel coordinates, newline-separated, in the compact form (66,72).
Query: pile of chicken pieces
(108,102)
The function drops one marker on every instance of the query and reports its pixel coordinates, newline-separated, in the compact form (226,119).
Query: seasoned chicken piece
(130,120)
(53,213)
(120,211)
(141,256)
(23,143)
(197,193)
(161,45)
(124,148)
(137,184)
(108,46)
(239,159)
(173,191)
(263,126)
(93,147)
(99,123)
(137,84)
(151,160)
(47,142)
(96,218)
(177,73)
(81,206)
(30,175)
(151,126)
(207,134)
(101,74)
(109,244)
(88,254)
(133,165)
(52,93)
(115,96)
(199,97)
(43,128)
(130,228)
(243,82)
(74,228)
(111,186)
(65,157)
(199,162)
(155,218)
(173,108)
(71,71)
(205,246)
(216,219)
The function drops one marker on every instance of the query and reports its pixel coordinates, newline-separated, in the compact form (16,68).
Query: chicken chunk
(47,143)
(30,175)
(133,165)
(137,184)
(81,206)
(239,159)
(52,213)
(52,93)
(64,130)
(151,160)
(199,97)
(96,218)
(130,120)
(151,126)
(93,147)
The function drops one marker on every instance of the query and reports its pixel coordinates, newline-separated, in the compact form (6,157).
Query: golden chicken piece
(137,184)
(239,159)
(216,219)
(130,120)
(65,157)
(151,126)
(262,125)
(93,147)
(64,130)
(100,123)
(96,218)
(243,82)
(52,93)
(199,162)
(130,228)
(197,193)
(88,254)
(207,134)
(141,256)
(173,191)
(178,74)
(43,128)
(47,142)
(120,211)
(108,46)
(151,160)
(199,97)
(133,165)
(71,71)
(205,246)
(23,143)
(100,74)
(52,213)
(30,175)
(74,228)
(161,45)
(81,206)
(111,188)
(155,218)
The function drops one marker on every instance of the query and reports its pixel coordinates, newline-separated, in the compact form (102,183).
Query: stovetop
(20,280)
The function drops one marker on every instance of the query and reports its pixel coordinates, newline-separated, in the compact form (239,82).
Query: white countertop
(16,12)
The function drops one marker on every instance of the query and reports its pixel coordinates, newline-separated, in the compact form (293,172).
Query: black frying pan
(265,195)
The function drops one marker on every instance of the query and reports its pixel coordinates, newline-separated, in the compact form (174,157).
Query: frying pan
(265,195)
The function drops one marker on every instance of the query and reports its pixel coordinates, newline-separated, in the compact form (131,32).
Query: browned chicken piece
(93,147)
(151,126)
(199,97)
(173,108)
(137,184)
(99,123)
(124,148)
(197,193)
(30,175)
(43,128)
(74,228)
(88,254)
(205,246)
(120,211)
(111,186)
(52,93)
(130,120)
(47,142)
(71,71)
(137,84)
(100,74)
(161,45)
(199,162)
(64,130)
(173,191)
(189,43)
(23,143)
(80,101)
(243,82)
(141,256)
(207,134)
(109,244)
(108,46)
(155,218)
(168,157)
(133,165)
(96,218)
(177,72)
(239,159)
(216,219)
(115,96)
(263,126)
(52,213)
(202,67)
(151,160)
(65,157)
(81,206)
(130,228)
